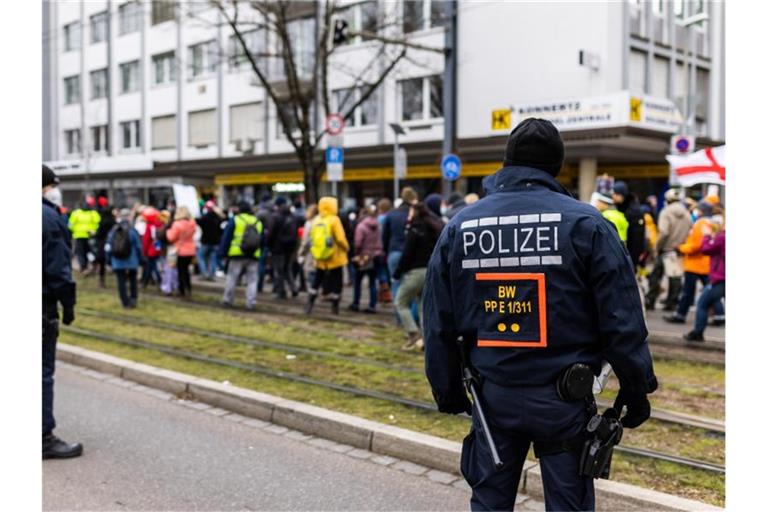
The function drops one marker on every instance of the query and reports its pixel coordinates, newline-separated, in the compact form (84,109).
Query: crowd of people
(315,250)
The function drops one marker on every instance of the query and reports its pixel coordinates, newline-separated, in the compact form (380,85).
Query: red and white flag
(704,166)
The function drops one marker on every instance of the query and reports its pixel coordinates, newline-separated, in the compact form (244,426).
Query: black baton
(469,383)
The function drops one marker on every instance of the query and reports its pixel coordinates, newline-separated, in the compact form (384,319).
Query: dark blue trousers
(50,334)
(519,416)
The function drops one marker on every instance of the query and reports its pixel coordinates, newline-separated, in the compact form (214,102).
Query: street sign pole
(394,168)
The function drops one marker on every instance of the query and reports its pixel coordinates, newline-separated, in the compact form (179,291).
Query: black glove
(638,408)
(68,315)
(456,405)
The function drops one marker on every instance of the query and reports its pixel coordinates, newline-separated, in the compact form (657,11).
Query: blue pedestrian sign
(451,167)
(334,155)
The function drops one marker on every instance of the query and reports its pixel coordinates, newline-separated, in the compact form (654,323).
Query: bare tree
(294,69)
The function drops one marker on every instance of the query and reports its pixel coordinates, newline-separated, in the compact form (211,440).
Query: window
(361,17)
(98,27)
(165,68)
(637,63)
(130,17)
(72,141)
(130,135)
(99,139)
(202,59)
(164,132)
(301,34)
(246,122)
(702,94)
(677,5)
(99,84)
(365,114)
(658,7)
(129,76)
(72,36)
(254,40)
(424,14)
(421,98)
(72,90)
(660,77)
(163,10)
(202,128)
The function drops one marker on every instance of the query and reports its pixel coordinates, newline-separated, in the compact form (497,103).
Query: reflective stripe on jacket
(242,220)
(83,222)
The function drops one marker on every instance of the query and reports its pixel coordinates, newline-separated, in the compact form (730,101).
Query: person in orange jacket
(695,264)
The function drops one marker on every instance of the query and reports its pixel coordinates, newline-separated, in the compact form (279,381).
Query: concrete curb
(430,451)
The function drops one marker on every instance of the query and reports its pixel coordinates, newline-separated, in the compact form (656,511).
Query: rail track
(368,393)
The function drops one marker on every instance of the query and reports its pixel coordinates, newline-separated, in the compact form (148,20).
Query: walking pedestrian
(673,227)
(207,255)
(83,223)
(695,265)
(455,204)
(264,214)
(105,226)
(713,246)
(182,235)
(628,205)
(329,248)
(282,241)
(58,288)
(123,248)
(242,244)
(393,234)
(151,245)
(368,250)
(422,232)
(385,280)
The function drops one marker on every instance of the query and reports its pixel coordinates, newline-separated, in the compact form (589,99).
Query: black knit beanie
(535,143)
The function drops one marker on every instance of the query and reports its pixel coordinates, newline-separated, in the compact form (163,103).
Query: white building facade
(139,95)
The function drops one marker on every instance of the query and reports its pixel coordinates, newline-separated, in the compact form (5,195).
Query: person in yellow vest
(329,247)
(604,203)
(83,223)
(241,244)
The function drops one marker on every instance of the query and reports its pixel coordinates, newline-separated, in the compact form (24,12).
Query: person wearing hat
(532,281)
(695,264)
(628,205)
(673,227)
(58,289)
(603,201)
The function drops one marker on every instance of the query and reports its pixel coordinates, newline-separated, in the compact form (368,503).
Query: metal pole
(449,90)
(394,168)
(688,99)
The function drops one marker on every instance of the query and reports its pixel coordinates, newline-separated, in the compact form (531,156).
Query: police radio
(603,432)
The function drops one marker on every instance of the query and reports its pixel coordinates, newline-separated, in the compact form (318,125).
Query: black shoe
(294,293)
(370,311)
(674,319)
(354,307)
(226,304)
(717,323)
(694,336)
(55,448)
(650,306)
(335,307)
(668,308)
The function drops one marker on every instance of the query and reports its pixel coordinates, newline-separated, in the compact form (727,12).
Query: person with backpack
(329,248)
(182,235)
(151,245)
(241,244)
(368,254)
(283,239)
(123,248)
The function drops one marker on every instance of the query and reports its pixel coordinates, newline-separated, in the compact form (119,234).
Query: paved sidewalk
(147,450)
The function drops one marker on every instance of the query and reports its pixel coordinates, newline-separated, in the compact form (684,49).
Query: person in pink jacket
(182,235)
(713,246)
(368,256)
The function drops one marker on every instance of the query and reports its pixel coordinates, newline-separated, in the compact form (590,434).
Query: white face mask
(53,195)
(443,209)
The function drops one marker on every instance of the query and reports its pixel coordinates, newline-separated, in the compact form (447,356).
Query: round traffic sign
(451,167)
(334,124)
(682,144)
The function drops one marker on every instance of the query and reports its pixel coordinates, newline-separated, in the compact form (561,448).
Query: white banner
(186,195)
(704,166)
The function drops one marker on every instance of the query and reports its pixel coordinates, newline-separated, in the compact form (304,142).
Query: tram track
(353,390)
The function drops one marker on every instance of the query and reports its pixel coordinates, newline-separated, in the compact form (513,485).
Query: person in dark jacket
(393,233)
(533,281)
(455,204)
(207,252)
(264,214)
(283,240)
(105,225)
(627,204)
(125,266)
(421,234)
(58,288)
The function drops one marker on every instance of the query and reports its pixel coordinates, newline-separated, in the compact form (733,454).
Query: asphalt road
(143,453)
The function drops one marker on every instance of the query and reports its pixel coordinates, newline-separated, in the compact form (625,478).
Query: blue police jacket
(58,285)
(534,281)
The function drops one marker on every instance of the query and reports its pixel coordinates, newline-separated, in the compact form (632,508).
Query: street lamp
(686,23)
(399,130)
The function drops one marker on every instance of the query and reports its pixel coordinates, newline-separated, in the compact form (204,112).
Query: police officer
(534,281)
(58,288)
(84,222)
